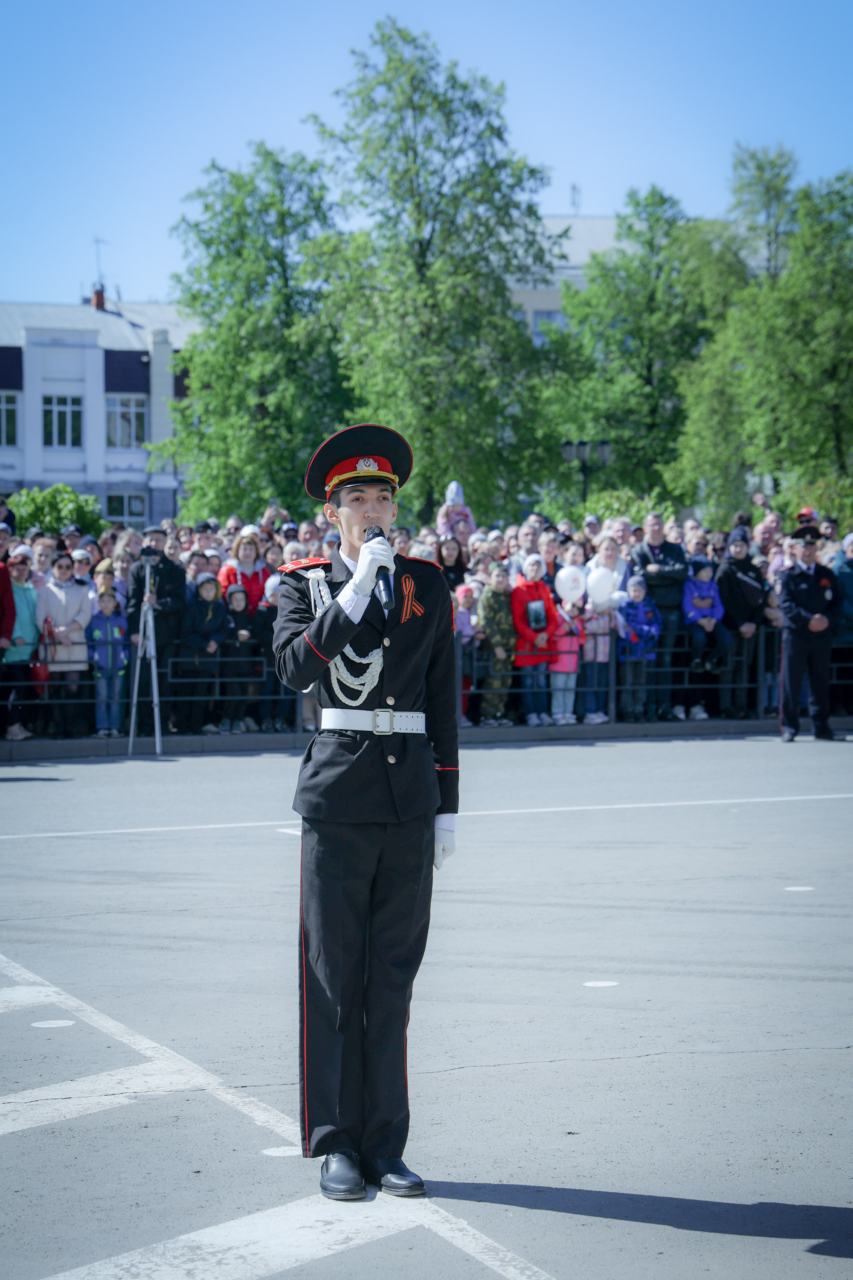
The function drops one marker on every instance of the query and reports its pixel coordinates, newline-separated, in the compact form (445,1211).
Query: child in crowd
(494,616)
(108,651)
(535,619)
(104,576)
(636,649)
(563,667)
(704,610)
(277,700)
(204,629)
(595,667)
(465,620)
(238,667)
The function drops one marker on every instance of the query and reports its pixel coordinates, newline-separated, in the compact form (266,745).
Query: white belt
(382,721)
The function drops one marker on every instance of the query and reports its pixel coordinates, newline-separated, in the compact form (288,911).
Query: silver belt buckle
(381,711)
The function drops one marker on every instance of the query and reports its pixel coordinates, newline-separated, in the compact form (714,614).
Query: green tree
(763,200)
(421,295)
(53,508)
(646,311)
(263,381)
(795,341)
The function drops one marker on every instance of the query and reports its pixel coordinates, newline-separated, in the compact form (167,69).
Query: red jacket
(526,652)
(7,604)
(231,574)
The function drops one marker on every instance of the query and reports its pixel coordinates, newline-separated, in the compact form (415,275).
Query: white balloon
(600,583)
(570,583)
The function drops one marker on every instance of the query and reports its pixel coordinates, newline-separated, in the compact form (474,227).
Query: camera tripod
(147,648)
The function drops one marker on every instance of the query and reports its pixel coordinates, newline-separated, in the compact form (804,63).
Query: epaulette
(296,565)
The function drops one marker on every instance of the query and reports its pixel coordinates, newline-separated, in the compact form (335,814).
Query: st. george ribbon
(384,581)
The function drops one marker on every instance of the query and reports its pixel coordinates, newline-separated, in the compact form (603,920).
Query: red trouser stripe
(304,1005)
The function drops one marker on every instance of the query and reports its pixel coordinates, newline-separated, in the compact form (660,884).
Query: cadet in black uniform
(810,598)
(377,791)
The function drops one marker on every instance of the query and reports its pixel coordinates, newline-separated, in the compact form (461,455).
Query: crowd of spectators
(681,614)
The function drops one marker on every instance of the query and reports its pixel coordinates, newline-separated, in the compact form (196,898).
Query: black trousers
(366,890)
(806,651)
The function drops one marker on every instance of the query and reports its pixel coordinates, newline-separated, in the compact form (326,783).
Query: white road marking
(248,1248)
(24,997)
(138,831)
(651,804)
(282,1151)
(473,813)
(164,1072)
(263,1244)
(54,1022)
(800,888)
(601,984)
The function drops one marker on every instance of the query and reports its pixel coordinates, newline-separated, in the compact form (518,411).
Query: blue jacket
(108,647)
(695,590)
(643,622)
(843,570)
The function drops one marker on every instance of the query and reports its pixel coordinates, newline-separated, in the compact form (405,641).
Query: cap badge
(367,464)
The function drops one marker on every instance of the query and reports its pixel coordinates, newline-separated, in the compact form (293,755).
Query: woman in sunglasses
(63,612)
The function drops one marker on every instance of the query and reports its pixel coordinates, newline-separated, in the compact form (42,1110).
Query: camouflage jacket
(494,616)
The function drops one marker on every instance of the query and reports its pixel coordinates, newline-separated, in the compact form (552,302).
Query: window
(541,319)
(129,507)
(8,420)
(127,421)
(63,422)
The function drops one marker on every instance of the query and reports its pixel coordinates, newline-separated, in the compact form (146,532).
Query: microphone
(384,581)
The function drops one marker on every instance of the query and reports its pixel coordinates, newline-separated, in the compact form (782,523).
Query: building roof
(123,326)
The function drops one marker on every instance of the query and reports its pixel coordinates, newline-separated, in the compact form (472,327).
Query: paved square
(629,1053)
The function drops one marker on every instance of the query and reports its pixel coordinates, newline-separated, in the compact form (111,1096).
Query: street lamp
(580,452)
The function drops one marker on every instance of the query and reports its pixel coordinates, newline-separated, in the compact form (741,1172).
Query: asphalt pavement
(629,1053)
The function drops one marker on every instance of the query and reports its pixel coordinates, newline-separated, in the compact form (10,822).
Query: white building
(587,235)
(82,390)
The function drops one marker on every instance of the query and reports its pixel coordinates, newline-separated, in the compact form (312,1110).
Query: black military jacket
(169,583)
(348,776)
(803,594)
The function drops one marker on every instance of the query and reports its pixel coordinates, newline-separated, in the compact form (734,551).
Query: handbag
(39,668)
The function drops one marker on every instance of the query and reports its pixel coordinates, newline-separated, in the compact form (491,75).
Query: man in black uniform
(377,791)
(810,598)
(168,598)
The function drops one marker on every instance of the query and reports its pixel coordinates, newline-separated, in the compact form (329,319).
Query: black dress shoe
(824,735)
(391,1175)
(340,1177)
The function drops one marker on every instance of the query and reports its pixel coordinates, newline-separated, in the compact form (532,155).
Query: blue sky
(111,111)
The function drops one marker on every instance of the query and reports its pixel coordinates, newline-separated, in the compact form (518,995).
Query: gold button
(390,701)
(386,642)
(392,759)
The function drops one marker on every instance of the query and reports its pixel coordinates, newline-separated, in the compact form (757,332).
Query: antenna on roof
(576,199)
(98,242)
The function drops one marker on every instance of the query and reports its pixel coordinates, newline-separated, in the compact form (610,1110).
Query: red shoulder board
(303,564)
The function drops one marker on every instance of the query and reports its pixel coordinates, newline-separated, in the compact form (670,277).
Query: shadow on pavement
(831,1226)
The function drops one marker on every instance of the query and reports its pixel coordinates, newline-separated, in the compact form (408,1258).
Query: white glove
(445,844)
(373,556)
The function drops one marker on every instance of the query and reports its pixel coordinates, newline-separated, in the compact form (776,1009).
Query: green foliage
(644,315)
(794,338)
(421,298)
(607,504)
(53,508)
(773,392)
(763,199)
(713,459)
(263,381)
(830,495)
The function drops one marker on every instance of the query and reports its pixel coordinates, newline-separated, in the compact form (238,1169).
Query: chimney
(97,299)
